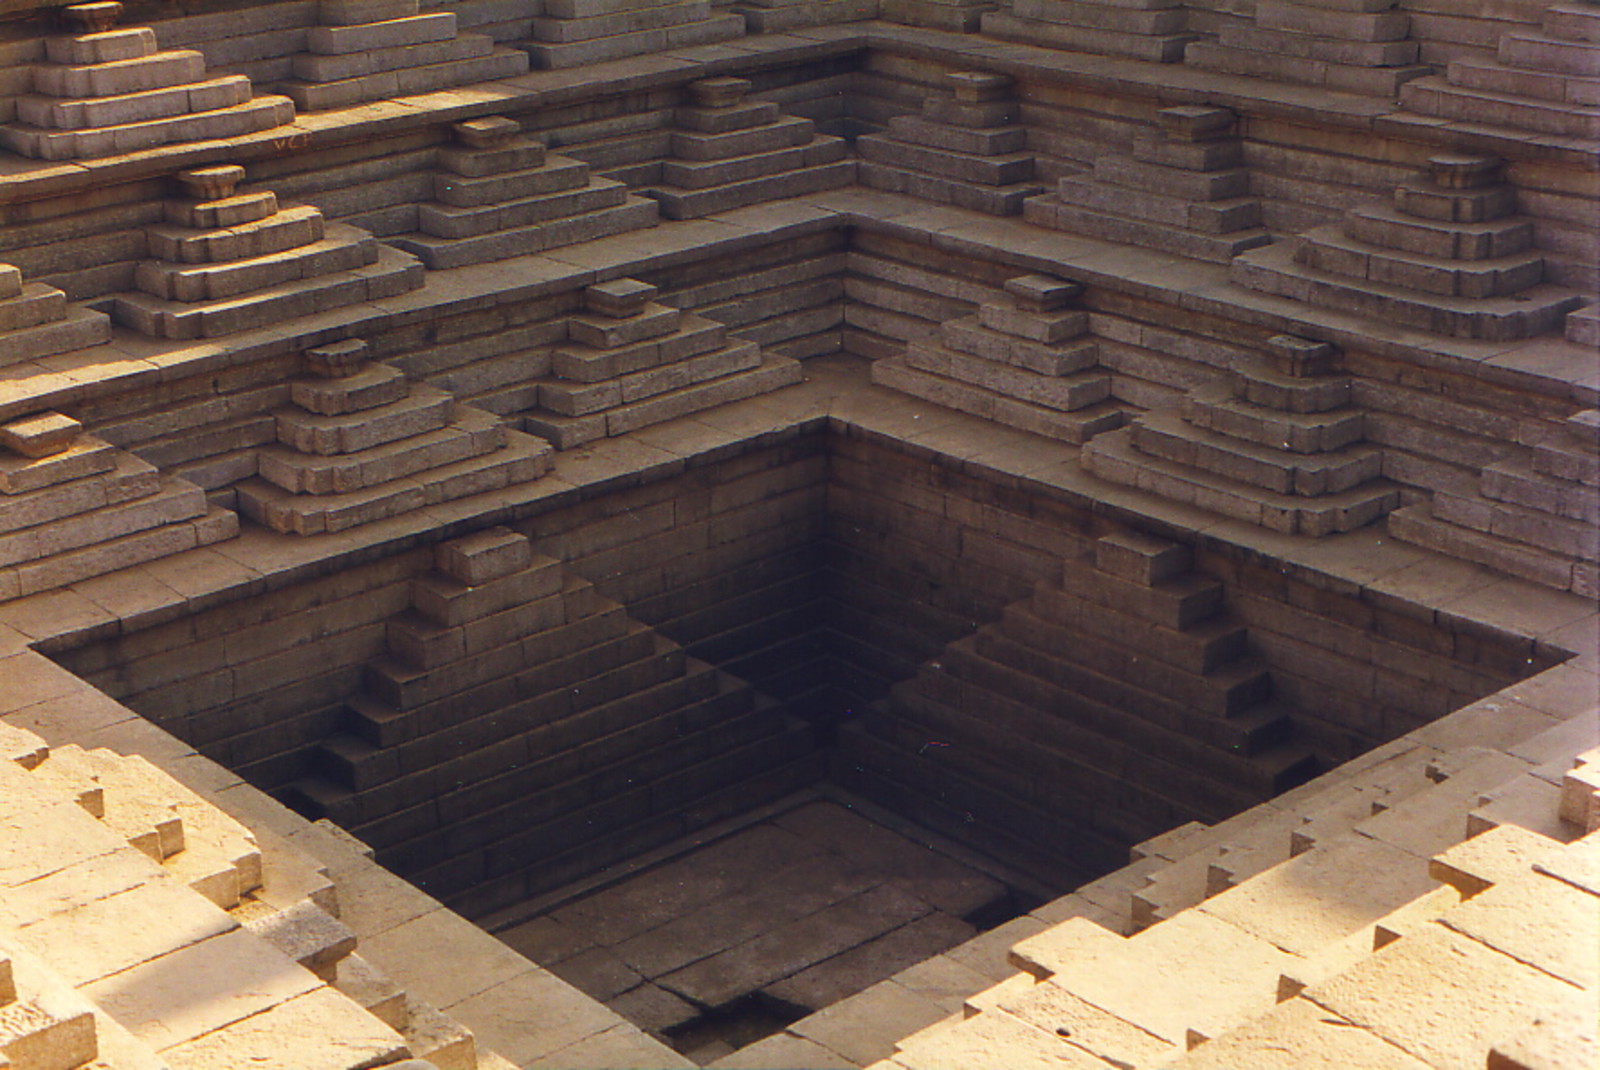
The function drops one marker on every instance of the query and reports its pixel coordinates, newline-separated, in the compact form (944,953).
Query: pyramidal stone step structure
(1114,704)
(1536,516)
(1354,46)
(966,148)
(499,194)
(1184,190)
(1277,443)
(364,50)
(575,33)
(103,91)
(1153,30)
(1546,80)
(361,443)
(521,729)
(73,507)
(37,321)
(775,16)
(630,362)
(227,261)
(1450,255)
(728,152)
(1027,363)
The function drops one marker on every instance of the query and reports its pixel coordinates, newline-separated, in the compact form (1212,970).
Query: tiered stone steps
(1154,30)
(361,444)
(499,194)
(36,321)
(1356,47)
(1535,516)
(1546,80)
(959,16)
(630,362)
(776,16)
(728,152)
(104,91)
(1028,363)
(966,148)
(226,262)
(366,50)
(72,507)
(1184,190)
(1117,704)
(1276,443)
(575,33)
(1450,256)
(523,729)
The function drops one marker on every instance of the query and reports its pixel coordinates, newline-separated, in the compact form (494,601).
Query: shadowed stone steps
(1154,30)
(1183,190)
(226,262)
(37,321)
(362,444)
(1358,47)
(1027,363)
(965,148)
(776,16)
(499,194)
(104,91)
(365,50)
(959,16)
(1276,443)
(575,33)
(728,152)
(630,362)
(1451,256)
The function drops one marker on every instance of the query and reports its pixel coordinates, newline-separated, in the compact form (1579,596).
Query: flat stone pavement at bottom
(805,908)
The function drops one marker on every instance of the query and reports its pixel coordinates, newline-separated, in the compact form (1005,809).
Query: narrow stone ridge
(574,33)
(1450,255)
(227,262)
(522,730)
(1154,30)
(1547,80)
(1277,442)
(104,91)
(1184,190)
(1355,46)
(1102,709)
(361,444)
(72,507)
(365,50)
(1028,363)
(966,148)
(499,194)
(36,321)
(1535,515)
(630,362)
(728,152)
(775,16)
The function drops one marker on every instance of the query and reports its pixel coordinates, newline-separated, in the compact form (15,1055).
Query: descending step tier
(1354,48)
(575,33)
(1154,30)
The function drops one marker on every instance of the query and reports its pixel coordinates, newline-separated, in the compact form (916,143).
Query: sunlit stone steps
(574,33)
(1364,47)
(37,321)
(1153,30)
(105,90)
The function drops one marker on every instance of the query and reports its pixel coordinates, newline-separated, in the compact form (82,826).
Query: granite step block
(136,74)
(173,503)
(1519,483)
(205,94)
(968,335)
(1000,170)
(1217,409)
(33,305)
(342,249)
(1051,212)
(1340,50)
(451,222)
(704,174)
(389,33)
(1173,210)
(283,230)
(1146,19)
(586,364)
(971,141)
(1540,52)
(1386,227)
(313,67)
(496,64)
(1575,539)
(105,46)
(693,204)
(262,113)
(1436,96)
(469,434)
(554,174)
(1163,49)
(86,456)
(623,45)
(786,131)
(1066,393)
(424,409)
(1573,22)
(986,404)
(1416,524)
(1307,475)
(994,200)
(1372,81)
(1469,72)
(580,399)
(1327,249)
(88,476)
(575,28)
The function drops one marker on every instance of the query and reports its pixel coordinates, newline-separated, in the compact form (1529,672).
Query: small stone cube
(43,435)
(1043,293)
(619,297)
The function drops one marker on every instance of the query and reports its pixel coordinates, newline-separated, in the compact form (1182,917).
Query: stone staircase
(72,507)
(1122,701)
(630,362)
(1354,47)
(776,16)
(104,91)
(1377,916)
(364,50)
(1153,30)
(1546,80)
(1449,256)
(966,148)
(728,152)
(523,731)
(1277,443)
(226,262)
(1028,363)
(956,16)
(1183,190)
(36,321)
(576,33)
(499,194)
(1536,515)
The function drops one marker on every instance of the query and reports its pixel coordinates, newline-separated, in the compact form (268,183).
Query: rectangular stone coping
(1170,83)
